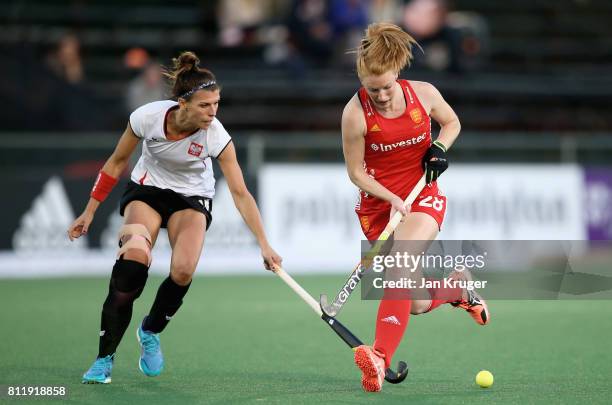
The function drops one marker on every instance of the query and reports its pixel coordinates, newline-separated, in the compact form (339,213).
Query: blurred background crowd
(523,65)
(529,79)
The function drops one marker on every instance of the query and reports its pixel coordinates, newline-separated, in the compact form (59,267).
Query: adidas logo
(102,332)
(473,299)
(391,319)
(44,225)
(168,318)
(375,128)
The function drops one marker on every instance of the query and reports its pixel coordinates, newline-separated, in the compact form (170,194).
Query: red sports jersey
(394,148)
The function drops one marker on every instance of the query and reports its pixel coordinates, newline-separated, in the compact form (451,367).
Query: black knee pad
(129,275)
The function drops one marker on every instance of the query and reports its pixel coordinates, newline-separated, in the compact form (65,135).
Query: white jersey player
(171,187)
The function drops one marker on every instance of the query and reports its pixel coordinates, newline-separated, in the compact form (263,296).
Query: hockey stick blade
(396,377)
(329,310)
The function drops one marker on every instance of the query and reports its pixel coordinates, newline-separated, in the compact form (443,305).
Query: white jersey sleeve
(148,120)
(137,119)
(217,139)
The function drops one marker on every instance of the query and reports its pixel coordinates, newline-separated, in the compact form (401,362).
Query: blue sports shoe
(100,371)
(151,358)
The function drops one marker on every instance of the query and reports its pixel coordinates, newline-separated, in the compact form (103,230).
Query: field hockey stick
(393,377)
(353,281)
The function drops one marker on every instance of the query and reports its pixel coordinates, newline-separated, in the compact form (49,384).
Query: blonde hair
(385,47)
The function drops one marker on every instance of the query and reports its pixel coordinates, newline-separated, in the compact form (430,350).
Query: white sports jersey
(183,166)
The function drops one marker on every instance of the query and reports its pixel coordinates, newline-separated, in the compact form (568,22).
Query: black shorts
(165,201)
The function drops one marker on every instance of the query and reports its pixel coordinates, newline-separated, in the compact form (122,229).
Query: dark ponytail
(186,76)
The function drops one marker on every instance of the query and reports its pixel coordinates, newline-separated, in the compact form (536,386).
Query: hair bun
(186,61)
(186,76)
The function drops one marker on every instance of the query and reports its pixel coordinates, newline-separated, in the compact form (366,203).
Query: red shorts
(430,201)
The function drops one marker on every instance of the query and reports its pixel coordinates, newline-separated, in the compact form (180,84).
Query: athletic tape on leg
(137,237)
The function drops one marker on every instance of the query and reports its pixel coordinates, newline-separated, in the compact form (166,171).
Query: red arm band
(103,186)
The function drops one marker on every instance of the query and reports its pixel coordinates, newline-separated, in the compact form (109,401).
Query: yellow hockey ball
(484,378)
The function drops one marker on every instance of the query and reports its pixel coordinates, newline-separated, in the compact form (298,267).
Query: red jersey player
(387,143)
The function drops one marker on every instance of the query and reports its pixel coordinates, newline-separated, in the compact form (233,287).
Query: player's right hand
(271,259)
(397,205)
(80,226)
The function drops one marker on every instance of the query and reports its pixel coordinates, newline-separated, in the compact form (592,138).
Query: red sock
(391,322)
(444,295)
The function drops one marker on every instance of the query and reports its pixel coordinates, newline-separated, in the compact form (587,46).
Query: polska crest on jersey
(195,149)
(416,115)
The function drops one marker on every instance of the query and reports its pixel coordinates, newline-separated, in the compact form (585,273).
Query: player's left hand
(271,259)
(434,162)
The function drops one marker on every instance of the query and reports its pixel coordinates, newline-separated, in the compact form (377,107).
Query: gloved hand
(434,161)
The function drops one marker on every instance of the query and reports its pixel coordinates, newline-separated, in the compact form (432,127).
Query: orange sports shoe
(472,302)
(372,366)
(475,306)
